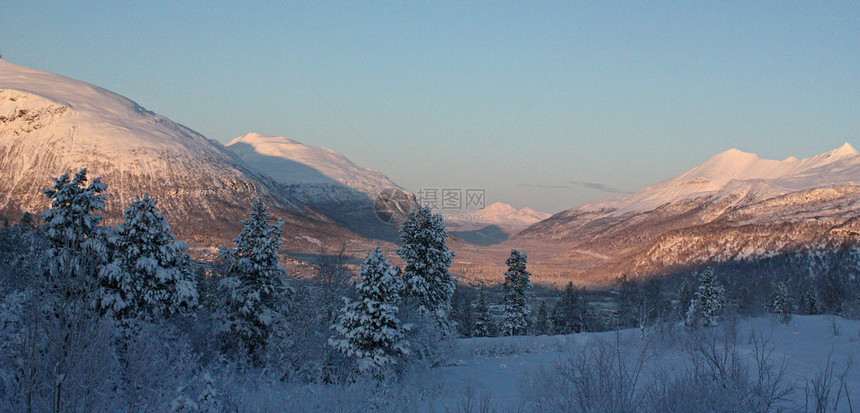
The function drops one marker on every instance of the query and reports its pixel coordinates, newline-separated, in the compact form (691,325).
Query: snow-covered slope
(734,171)
(733,206)
(292,162)
(361,198)
(503,214)
(50,125)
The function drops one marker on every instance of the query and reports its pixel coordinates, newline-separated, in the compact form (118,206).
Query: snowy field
(510,373)
(500,368)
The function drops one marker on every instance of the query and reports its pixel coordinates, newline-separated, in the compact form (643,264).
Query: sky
(541,104)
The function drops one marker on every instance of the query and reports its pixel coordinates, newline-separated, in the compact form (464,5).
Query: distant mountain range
(50,125)
(734,206)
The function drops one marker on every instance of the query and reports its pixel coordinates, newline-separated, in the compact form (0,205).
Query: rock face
(733,206)
(362,199)
(50,125)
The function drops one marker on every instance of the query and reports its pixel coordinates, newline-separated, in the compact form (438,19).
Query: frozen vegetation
(97,318)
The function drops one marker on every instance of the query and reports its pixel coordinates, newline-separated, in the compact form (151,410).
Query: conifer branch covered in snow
(367,328)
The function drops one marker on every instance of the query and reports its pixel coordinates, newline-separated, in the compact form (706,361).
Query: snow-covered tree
(781,303)
(541,324)
(707,304)
(208,401)
(75,249)
(254,283)
(484,326)
(516,307)
(571,312)
(427,258)
(27,222)
(368,329)
(148,274)
(462,312)
(810,301)
(686,293)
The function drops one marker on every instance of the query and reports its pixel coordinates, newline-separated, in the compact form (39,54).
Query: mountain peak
(735,154)
(844,151)
(500,207)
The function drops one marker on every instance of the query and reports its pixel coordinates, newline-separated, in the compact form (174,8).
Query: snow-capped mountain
(50,125)
(292,162)
(491,225)
(503,214)
(364,199)
(734,205)
(734,171)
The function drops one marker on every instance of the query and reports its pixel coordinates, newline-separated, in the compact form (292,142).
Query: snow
(735,171)
(496,367)
(501,213)
(291,162)
(97,115)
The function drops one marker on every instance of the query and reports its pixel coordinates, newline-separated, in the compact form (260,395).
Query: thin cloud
(600,187)
(572,185)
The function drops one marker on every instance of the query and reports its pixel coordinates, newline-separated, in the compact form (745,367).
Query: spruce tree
(462,312)
(148,274)
(75,247)
(516,308)
(367,328)
(27,222)
(686,293)
(707,304)
(571,312)
(428,281)
(254,284)
(781,303)
(541,324)
(484,326)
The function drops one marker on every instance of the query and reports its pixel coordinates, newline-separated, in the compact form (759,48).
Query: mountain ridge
(51,125)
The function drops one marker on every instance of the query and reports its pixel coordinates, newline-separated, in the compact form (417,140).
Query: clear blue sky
(532,101)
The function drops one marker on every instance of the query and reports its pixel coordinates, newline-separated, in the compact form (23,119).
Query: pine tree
(707,304)
(75,248)
(149,271)
(254,283)
(571,312)
(781,303)
(810,301)
(686,293)
(484,326)
(27,222)
(516,308)
(462,312)
(541,324)
(428,281)
(368,328)
(208,400)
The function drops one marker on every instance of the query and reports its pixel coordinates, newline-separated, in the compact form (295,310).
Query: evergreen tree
(541,324)
(707,304)
(484,326)
(208,401)
(516,308)
(810,301)
(428,281)
(462,312)
(27,222)
(571,312)
(686,293)
(833,291)
(781,303)
(255,289)
(149,271)
(75,248)
(368,328)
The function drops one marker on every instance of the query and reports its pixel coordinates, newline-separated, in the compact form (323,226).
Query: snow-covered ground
(501,367)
